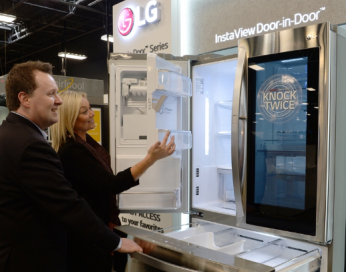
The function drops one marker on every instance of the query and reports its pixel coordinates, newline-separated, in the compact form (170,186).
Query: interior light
(290,60)
(316,107)
(258,113)
(311,89)
(305,103)
(256,67)
(7,18)
(72,56)
(104,38)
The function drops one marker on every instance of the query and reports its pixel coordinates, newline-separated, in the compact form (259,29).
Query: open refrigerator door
(150,100)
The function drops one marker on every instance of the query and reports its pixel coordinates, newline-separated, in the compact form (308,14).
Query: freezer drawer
(206,246)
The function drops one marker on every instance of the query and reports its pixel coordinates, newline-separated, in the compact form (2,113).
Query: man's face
(44,102)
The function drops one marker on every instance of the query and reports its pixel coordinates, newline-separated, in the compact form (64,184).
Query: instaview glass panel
(282,139)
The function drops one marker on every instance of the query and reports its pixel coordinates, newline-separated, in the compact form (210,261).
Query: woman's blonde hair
(68,113)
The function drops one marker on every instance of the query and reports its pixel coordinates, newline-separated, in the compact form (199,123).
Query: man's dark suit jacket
(38,205)
(96,185)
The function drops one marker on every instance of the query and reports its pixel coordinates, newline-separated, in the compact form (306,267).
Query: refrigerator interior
(212,182)
(149,102)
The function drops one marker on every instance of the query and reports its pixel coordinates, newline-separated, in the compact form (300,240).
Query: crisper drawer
(213,247)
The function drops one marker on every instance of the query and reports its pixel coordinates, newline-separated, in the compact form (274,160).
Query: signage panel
(146,27)
(215,25)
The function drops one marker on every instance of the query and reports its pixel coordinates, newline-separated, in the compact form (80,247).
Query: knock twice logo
(279,98)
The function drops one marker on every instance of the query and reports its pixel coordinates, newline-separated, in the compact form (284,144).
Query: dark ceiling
(44,27)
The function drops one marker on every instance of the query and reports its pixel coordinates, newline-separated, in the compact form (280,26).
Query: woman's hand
(161,150)
(157,151)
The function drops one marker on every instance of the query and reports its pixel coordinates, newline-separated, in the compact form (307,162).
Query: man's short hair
(21,78)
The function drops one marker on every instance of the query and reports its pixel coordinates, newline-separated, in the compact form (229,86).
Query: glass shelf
(174,83)
(224,133)
(148,200)
(182,139)
(226,104)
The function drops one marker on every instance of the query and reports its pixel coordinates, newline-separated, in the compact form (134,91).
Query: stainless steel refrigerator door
(316,36)
(239,125)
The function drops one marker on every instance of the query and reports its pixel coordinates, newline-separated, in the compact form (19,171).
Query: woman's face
(85,119)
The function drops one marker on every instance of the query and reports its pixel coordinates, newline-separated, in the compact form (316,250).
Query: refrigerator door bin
(174,82)
(136,200)
(161,185)
(182,139)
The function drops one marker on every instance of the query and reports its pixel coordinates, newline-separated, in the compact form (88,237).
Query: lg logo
(125,21)
(150,14)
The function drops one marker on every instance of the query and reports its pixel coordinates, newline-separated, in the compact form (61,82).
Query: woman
(87,166)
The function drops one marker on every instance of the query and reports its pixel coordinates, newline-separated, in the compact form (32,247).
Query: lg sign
(125,21)
(150,14)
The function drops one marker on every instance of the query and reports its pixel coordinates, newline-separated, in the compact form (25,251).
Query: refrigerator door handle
(159,264)
(238,132)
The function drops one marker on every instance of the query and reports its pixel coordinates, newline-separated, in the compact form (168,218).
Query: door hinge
(200,214)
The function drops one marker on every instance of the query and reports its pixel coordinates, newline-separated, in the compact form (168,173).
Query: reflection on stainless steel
(154,262)
(290,40)
(238,133)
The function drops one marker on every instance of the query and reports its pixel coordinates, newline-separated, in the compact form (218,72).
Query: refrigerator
(259,157)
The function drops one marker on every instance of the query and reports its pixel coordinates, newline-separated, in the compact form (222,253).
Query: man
(37,204)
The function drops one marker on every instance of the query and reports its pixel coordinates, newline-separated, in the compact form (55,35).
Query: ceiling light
(311,89)
(72,56)
(3,26)
(110,38)
(7,18)
(93,3)
(256,67)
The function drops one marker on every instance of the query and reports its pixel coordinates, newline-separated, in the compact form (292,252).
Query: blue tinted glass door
(282,140)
